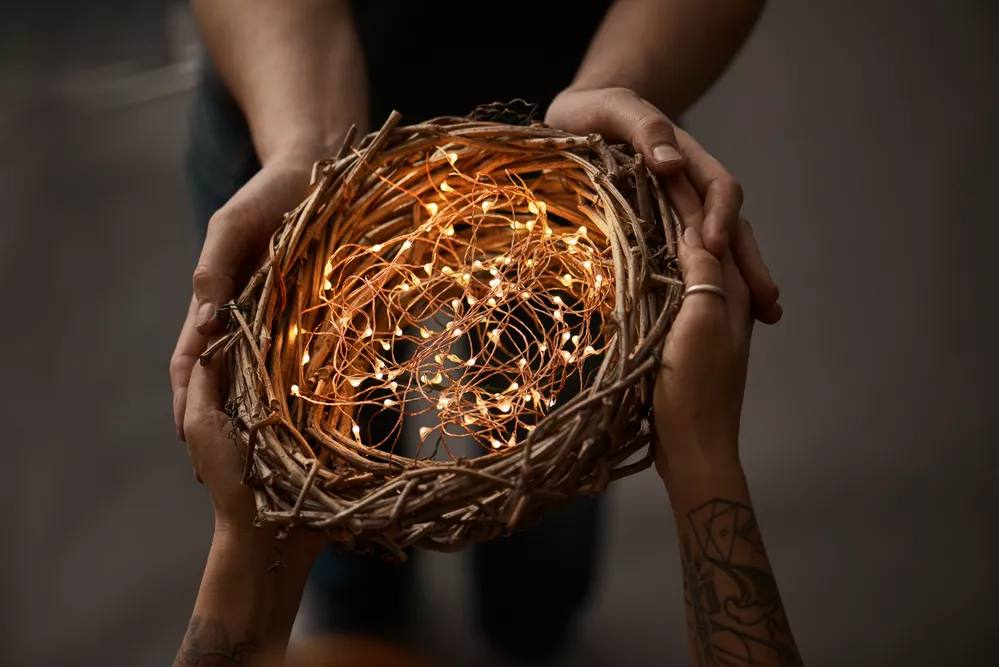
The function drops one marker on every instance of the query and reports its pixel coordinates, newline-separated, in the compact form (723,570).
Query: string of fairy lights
(480,312)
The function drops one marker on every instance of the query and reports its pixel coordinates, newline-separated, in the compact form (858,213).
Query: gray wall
(865,136)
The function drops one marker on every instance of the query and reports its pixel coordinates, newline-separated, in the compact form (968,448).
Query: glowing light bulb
(505,260)
(356,430)
(514,386)
(581,231)
(505,406)
(477,264)
(587,264)
(575,340)
(424,333)
(486,205)
(328,269)
(599,278)
(493,271)
(494,334)
(294,332)
(494,282)
(449,230)
(385,345)
(470,362)
(548,231)
(379,375)
(471,300)
(424,432)
(305,358)
(532,207)
(446,269)
(404,287)
(566,336)
(429,268)
(432,207)
(557,299)
(407,244)
(565,354)
(522,362)
(496,443)
(393,385)
(452,158)
(294,390)
(457,332)
(446,188)
(542,348)
(468,420)
(525,295)
(443,402)
(327,285)
(388,402)
(398,331)
(354,382)
(588,350)
(376,247)
(455,303)
(491,301)
(529,225)
(530,262)
(557,315)
(437,379)
(368,332)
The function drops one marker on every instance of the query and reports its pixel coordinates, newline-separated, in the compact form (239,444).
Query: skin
(297,72)
(253,584)
(285,70)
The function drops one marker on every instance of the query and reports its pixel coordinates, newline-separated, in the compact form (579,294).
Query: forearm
(667,51)
(249,596)
(295,69)
(734,610)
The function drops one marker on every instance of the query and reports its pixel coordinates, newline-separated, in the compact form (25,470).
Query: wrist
(694,475)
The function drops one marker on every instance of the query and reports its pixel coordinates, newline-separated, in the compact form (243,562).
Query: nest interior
(513,281)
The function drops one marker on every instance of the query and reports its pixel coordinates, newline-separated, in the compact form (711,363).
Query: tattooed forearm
(734,611)
(207,644)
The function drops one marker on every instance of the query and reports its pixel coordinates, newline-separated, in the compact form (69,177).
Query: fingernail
(664,153)
(205,314)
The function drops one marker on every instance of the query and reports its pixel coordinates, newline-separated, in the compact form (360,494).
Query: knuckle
(655,124)
(203,276)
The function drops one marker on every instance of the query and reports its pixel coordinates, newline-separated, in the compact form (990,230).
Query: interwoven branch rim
(285,344)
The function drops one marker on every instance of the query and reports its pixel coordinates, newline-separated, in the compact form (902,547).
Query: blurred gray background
(865,136)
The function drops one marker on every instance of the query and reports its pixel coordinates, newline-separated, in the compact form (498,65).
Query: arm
(734,611)
(296,70)
(667,51)
(246,606)
(652,59)
(253,583)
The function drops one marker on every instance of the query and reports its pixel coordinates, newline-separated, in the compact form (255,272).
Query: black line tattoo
(735,613)
(207,644)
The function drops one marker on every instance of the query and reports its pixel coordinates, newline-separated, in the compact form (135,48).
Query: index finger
(722,194)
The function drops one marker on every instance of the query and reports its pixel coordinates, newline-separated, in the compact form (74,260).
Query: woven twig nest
(513,282)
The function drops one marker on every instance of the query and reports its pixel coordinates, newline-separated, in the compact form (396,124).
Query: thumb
(620,114)
(238,233)
(204,418)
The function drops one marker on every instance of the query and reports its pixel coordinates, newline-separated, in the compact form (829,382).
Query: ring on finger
(706,288)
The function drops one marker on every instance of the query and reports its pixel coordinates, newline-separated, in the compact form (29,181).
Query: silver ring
(713,289)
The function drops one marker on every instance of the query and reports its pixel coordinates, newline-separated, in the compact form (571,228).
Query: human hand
(237,235)
(219,459)
(620,114)
(698,397)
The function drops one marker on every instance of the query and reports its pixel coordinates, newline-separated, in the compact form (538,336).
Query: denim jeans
(528,587)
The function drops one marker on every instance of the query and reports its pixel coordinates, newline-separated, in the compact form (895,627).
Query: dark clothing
(428,60)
